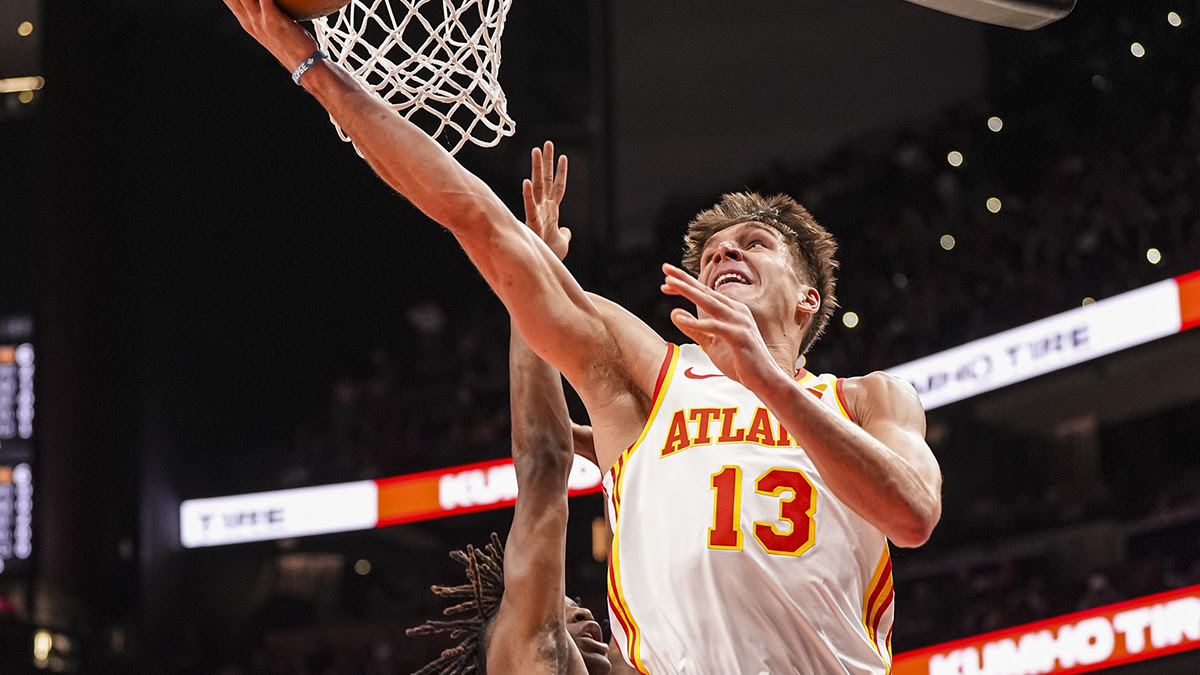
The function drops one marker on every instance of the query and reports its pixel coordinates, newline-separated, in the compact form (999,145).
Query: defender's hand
(728,334)
(284,38)
(543,192)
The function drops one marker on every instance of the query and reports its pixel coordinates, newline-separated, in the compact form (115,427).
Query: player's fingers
(535,173)
(672,272)
(672,286)
(530,204)
(560,180)
(548,165)
(237,7)
(677,282)
(690,326)
(244,16)
(698,298)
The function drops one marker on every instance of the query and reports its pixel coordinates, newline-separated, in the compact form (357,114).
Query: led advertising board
(1056,342)
(17,365)
(360,505)
(1082,642)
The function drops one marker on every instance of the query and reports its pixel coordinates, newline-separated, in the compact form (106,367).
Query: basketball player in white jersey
(751,503)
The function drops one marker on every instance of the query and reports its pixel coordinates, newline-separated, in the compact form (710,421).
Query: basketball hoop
(437,57)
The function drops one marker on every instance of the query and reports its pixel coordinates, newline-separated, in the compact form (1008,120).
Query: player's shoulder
(879,389)
(880,382)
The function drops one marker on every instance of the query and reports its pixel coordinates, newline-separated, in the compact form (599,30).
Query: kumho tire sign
(1136,630)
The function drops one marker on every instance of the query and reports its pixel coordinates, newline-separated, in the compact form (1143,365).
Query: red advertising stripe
(418,496)
(407,498)
(1135,630)
(452,491)
(1189,299)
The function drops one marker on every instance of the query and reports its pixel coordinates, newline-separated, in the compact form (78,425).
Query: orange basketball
(307,10)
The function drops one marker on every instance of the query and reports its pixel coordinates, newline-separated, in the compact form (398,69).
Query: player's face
(751,262)
(588,637)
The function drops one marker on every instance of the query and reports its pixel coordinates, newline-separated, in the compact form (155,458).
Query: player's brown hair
(479,599)
(811,245)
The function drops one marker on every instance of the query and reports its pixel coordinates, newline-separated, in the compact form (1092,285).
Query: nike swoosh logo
(691,375)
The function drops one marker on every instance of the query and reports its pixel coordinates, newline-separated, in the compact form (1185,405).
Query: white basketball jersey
(730,555)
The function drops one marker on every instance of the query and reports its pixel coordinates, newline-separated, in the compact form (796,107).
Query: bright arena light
(1137,49)
(850,319)
(43,642)
(955,158)
(363,567)
(1089,301)
(12,84)
(993,205)
(25,96)
(26,28)
(1154,256)
(995,123)
(947,241)
(1174,19)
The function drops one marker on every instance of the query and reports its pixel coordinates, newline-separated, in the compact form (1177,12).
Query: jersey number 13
(797,504)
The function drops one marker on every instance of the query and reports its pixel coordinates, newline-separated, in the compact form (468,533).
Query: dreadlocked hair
(478,600)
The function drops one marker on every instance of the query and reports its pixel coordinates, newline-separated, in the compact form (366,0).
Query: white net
(439,58)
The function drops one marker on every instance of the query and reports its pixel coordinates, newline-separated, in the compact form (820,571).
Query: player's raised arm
(532,609)
(535,555)
(559,321)
(542,444)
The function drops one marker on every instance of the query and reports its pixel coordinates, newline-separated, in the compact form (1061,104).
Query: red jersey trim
(660,390)
(839,390)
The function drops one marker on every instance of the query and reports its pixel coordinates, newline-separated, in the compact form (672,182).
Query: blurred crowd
(972,599)
(439,400)
(1087,179)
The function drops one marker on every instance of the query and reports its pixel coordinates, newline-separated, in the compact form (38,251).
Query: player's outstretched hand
(284,38)
(543,192)
(727,332)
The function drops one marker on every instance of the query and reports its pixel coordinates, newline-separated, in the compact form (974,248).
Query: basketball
(307,10)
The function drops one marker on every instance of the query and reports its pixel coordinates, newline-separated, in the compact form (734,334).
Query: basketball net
(440,58)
